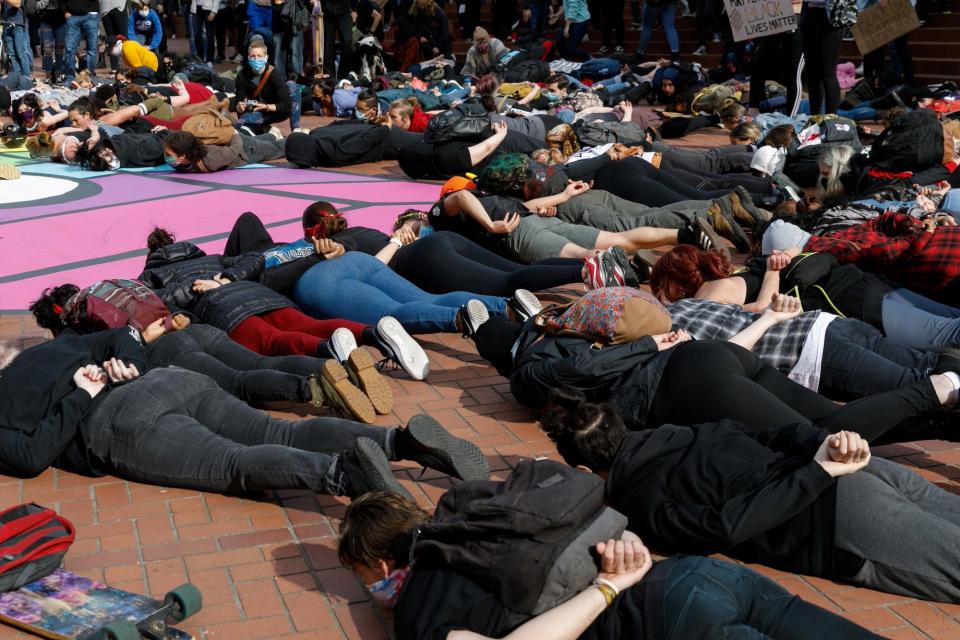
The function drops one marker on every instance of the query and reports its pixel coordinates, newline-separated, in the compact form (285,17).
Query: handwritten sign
(884,22)
(758,18)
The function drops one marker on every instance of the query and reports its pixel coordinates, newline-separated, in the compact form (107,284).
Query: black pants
(205,34)
(176,428)
(714,182)
(332,25)
(710,381)
(631,180)
(875,62)
(821,52)
(237,370)
(443,262)
(114,24)
(495,339)
(612,21)
(779,57)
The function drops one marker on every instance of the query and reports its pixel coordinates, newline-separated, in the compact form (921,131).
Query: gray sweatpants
(603,210)
(906,528)
(733,158)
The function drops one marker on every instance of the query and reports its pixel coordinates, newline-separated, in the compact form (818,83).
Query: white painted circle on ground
(28,188)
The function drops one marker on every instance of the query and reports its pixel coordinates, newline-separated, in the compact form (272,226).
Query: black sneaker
(699,233)
(470,316)
(642,264)
(367,469)
(524,305)
(426,442)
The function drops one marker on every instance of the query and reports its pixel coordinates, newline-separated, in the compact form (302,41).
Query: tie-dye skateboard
(65,606)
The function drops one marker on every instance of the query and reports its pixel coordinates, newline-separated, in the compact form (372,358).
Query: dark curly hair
(586,433)
(186,145)
(46,309)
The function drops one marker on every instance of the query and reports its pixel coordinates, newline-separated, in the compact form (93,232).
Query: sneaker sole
(364,369)
(9,172)
(342,344)
(375,468)
(343,394)
(527,302)
(461,458)
(477,314)
(407,353)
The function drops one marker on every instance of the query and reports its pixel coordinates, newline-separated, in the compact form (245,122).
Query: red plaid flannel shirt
(897,246)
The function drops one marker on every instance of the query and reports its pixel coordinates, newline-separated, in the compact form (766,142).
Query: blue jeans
(204,33)
(87,26)
(538,17)
(296,104)
(284,43)
(919,322)
(569,48)
(951,204)
(862,111)
(358,287)
(712,599)
(667,17)
(16,39)
(52,40)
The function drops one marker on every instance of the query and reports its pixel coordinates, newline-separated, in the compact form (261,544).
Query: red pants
(288,332)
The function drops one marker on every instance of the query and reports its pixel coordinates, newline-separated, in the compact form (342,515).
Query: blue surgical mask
(425,230)
(170,160)
(257,65)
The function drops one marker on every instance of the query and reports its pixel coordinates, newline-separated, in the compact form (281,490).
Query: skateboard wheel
(186,600)
(120,630)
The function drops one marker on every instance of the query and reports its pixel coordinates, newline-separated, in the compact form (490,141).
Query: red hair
(681,272)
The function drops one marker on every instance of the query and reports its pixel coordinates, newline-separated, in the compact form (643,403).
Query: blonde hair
(423,8)
(480,35)
(746,131)
(40,146)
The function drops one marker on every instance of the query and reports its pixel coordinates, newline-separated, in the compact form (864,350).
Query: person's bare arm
(574,188)
(401,237)
(468,204)
(118,117)
(480,151)
(783,308)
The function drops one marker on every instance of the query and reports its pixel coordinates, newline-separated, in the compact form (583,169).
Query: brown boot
(746,201)
(739,212)
(721,216)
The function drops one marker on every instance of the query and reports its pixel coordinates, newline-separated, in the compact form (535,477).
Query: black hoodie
(43,414)
(755,494)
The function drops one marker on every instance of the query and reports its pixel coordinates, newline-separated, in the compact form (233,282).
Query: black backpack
(913,142)
(467,122)
(592,134)
(541,523)
(520,65)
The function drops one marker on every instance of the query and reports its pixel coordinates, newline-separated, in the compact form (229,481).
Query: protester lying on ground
(186,153)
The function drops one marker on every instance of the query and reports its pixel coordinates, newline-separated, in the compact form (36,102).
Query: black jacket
(42,412)
(626,375)
(274,92)
(172,270)
(338,145)
(82,7)
(755,494)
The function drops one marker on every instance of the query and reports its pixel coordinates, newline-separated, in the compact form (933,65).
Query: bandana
(386,591)
(508,173)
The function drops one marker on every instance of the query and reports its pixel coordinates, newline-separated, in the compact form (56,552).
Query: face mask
(257,65)
(27,116)
(483,46)
(144,12)
(170,160)
(113,163)
(425,230)
(117,49)
(386,591)
(552,97)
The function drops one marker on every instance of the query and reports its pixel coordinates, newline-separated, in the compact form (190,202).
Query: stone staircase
(935,47)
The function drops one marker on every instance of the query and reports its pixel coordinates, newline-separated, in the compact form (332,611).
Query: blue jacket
(147,31)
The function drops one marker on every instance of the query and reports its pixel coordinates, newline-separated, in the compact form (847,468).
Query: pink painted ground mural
(62,224)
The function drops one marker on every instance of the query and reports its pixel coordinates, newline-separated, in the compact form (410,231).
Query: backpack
(609,315)
(710,98)
(33,541)
(541,523)
(112,304)
(209,126)
(467,122)
(532,69)
(592,134)
(580,100)
(914,141)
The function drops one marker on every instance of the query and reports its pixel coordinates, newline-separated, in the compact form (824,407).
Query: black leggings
(711,381)
(237,370)
(821,52)
(612,22)
(114,24)
(704,180)
(639,181)
(443,262)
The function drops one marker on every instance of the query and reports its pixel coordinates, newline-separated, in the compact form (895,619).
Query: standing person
(260,17)
(873,62)
(83,19)
(504,17)
(779,57)
(145,26)
(337,20)
(822,23)
(664,11)
(576,24)
(52,32)
(16,38)
(204,15)
(535,15)
(113,14)
(290,18)
(432,28)
(612,25)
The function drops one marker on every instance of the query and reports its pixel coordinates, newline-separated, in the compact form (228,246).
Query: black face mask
(823,182)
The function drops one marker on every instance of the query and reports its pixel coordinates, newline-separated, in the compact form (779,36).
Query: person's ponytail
(586,433)
(159,238)
(48,307)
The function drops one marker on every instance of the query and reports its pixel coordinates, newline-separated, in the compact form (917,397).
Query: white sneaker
(403,349)
(342,344)
(276,133)
(524,304)
(701,50)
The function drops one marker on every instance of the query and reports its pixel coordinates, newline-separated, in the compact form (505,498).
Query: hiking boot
(470,316)
(721,215)
(343,396)
(746,202)
(367,469)
(362,369)
(399,347)
(700,234)
(523,305)
(341,344)
(740,214)
(642,264)
(427,443)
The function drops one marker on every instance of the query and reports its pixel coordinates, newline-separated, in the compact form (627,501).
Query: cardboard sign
(758,18)
(883,23)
